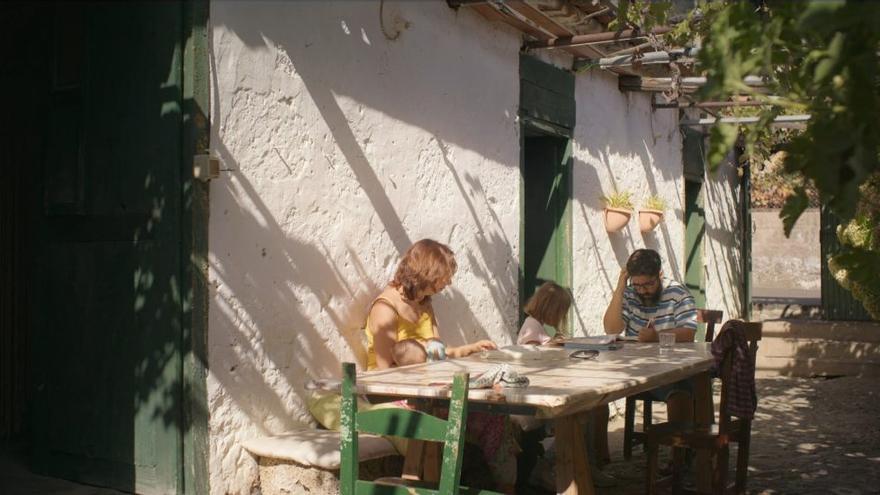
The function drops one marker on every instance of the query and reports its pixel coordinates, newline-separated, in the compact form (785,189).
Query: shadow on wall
(266,346)
(617,147)
(723,245)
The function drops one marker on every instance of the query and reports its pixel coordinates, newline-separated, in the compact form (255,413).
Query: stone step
(846,331)
(819,348)
(810,367)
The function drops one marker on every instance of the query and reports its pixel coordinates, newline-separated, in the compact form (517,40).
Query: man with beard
(652,304)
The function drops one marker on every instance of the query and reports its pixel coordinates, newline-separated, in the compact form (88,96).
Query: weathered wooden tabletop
(559,385)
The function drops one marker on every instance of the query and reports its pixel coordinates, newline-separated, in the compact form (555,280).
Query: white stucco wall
(341,148)
(723,240)
(620,144)
(344,148)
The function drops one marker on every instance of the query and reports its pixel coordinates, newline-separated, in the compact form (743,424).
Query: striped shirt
(676,308)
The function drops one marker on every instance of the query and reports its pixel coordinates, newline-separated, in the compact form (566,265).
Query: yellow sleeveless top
(422,329)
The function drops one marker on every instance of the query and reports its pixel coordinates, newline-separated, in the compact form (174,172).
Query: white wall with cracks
(621,144)
(341,147)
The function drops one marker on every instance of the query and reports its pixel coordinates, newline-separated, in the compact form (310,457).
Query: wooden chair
(716,439)
(631,437)
(404,423)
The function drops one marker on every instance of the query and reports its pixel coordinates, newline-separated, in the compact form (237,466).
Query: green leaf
(792,209)
(722,137)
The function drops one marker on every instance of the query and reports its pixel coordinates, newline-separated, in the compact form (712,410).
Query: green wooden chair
(404,423)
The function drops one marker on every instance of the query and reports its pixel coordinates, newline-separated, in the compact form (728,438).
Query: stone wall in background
(780,262)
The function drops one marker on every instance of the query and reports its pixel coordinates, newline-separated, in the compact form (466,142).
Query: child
(547,306)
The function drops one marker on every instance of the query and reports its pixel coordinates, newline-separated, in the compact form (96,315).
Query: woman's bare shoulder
(384,309)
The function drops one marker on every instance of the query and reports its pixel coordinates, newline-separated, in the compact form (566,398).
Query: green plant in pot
(618,209)
(651,213)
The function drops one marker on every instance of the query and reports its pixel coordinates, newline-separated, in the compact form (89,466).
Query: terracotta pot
(648,219)
(616,218)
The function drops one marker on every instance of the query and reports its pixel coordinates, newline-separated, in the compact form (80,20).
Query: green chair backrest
(404,423)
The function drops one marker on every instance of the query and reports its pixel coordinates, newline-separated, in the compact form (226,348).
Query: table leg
(572,466)
(433,462)
(703,412)
(412,461)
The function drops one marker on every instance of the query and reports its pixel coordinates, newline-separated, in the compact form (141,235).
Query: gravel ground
(810,436)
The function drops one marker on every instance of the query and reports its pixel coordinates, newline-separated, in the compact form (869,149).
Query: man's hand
(649,333)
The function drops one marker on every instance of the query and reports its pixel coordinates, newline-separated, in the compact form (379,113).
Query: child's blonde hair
(549,304)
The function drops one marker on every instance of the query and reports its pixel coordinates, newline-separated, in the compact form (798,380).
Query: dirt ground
(810,436)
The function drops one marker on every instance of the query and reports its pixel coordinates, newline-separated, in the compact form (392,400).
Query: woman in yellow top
(403,311)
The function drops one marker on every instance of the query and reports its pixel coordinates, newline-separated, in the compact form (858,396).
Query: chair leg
(678,455)
(651,470)
(628,426)
(719,474)
(742,457)
(647,414)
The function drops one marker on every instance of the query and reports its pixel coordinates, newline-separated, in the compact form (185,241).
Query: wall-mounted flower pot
(616,218)
(648,219)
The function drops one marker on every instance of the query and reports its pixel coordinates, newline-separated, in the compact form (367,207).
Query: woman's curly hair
(424,265)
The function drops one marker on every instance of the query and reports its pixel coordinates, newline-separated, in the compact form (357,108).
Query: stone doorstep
(281,477)
(307,461)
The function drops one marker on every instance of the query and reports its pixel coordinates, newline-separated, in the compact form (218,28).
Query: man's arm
(685,319)
(682,334)
(613,320)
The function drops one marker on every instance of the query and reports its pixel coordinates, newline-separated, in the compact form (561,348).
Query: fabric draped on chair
(735,352)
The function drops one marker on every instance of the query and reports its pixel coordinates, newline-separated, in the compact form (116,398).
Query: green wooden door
(108,297)
(547,110)
(695,231)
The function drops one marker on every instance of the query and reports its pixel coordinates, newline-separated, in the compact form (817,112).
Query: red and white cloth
(742,400)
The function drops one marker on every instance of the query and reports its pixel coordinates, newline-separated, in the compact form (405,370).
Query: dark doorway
(99,147)
(546,173)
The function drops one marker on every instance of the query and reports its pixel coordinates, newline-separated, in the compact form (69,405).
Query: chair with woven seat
(630,436)
(717,437)
(400,422)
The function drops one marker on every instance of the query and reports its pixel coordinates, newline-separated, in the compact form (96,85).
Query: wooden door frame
(195,207)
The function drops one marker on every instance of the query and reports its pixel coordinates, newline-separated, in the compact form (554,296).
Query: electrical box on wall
(206,167)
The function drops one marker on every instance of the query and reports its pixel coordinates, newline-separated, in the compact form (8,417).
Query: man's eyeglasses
(645,285)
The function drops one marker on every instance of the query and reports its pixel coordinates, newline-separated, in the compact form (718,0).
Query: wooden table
(561,389)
